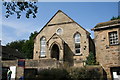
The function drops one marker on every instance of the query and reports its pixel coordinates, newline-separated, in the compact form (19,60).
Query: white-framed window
(59,31)
(113,38)
(77,44)
(42,47)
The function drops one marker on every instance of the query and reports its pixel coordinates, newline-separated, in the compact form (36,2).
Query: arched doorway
(55,52)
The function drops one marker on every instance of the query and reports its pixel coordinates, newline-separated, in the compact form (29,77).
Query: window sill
(77,54)
(114,44)
(42,56)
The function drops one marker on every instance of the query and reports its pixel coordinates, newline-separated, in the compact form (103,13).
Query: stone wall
(106,54)
(19,70)
(43,63)
(30,63)
(69,29)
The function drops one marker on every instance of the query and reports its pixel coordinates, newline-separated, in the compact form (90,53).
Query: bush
(91,59)
(53,74)
(85,74)
(68,74)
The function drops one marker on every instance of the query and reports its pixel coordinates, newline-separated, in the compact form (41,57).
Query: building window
(42,47)
(113,38)
(59,31)
(77,44)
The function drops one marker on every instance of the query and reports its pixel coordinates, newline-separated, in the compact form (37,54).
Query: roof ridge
(111,22)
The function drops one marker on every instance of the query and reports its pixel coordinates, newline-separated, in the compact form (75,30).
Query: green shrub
(68,74)
(91,59)
(85,74)
(53,74)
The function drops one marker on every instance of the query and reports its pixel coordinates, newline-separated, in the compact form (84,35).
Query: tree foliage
(30,8)
(24,46)
(91,59)
(28,47)
(84,73)
(114,18)
(63,74)
(16,44)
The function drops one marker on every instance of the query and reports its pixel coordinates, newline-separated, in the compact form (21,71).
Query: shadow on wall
(30,74)
(104,75)
(4,73)
(68,55)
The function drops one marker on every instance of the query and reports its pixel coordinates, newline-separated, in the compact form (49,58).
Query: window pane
(77,45)
(43,43)
(43,46)
(77,38)
(59,31)
(78,50)
(113,38)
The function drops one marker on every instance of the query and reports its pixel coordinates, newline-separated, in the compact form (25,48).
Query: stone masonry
(107,55)
(64,41)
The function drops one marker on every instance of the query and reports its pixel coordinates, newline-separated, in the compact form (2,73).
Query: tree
(29,46)
(91,60)
(114,18)
(24,46)
(30,8)
(16,44)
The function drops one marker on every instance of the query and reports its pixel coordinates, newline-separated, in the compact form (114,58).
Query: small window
(113,38)
(59,31)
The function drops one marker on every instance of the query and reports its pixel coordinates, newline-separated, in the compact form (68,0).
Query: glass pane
(42,46)
(77,45)
(59,31)
(113,38)
(77,35)
(77,50)
(43,43)
(77,38)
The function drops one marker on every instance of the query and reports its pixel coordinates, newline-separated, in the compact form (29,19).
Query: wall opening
(55,52)
(115,73)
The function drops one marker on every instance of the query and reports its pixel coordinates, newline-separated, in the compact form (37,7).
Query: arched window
(42,47)
(77,43)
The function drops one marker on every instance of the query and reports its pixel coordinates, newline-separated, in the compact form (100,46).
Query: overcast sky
(87,14)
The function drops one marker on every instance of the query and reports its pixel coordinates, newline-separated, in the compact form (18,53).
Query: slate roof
(107,24)
(10,54)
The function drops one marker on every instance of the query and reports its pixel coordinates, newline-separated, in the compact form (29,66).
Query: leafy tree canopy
(24,46)
(114,18)
(30,8)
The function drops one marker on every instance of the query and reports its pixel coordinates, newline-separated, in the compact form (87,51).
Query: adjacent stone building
(107,44)
(64,40)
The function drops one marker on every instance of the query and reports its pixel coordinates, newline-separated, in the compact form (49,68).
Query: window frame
(113,38)
(58,32)
(77,42)
(42,45)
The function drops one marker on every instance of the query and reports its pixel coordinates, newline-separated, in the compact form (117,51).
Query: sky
(87,14)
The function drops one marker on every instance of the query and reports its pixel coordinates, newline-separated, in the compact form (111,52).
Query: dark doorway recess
(55,52)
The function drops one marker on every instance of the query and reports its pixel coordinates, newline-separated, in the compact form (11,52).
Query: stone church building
(63,39)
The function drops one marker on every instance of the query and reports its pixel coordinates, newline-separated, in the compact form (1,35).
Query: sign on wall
(21,63)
